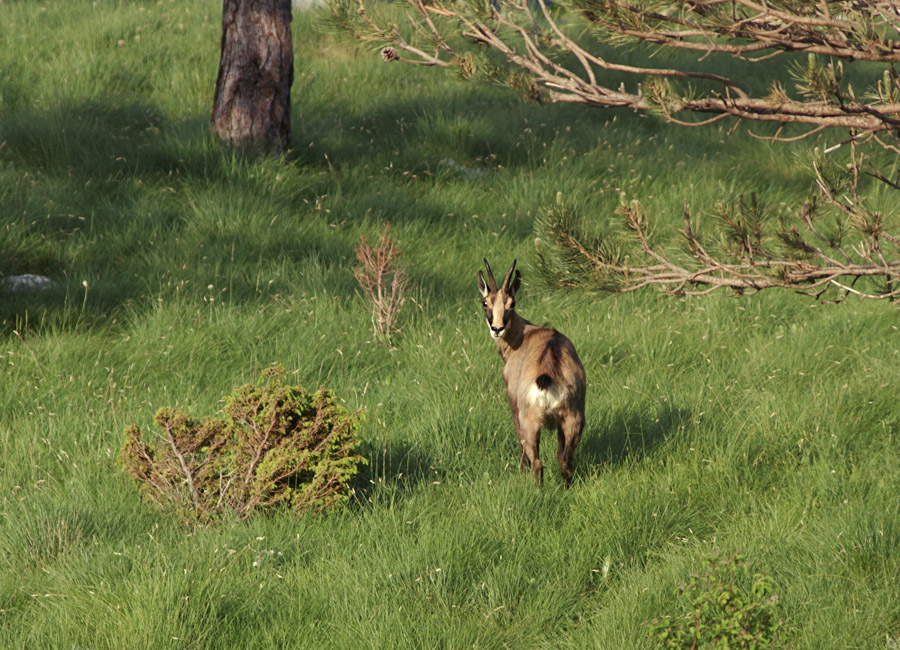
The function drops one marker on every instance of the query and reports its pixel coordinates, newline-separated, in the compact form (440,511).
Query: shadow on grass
(101,197)
(393,472)
(106,192)
(631,437)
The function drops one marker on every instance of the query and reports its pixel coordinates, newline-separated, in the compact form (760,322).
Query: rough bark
(252,105)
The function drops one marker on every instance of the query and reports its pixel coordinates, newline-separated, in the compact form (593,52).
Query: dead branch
(528,35)
(745,275)
(746,257)
(564,51)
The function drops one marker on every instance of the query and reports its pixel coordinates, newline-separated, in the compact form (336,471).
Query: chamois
(543,374)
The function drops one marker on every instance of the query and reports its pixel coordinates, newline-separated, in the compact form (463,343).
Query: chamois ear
(515,284)
(482,285)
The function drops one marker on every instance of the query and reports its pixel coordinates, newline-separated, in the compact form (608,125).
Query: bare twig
(383,281)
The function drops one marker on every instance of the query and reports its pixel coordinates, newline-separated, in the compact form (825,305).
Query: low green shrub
(729,610)
(277,446)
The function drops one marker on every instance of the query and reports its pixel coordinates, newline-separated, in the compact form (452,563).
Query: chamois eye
(484,303)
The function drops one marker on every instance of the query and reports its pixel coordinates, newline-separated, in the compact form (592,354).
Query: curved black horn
(490,275)
(509,276)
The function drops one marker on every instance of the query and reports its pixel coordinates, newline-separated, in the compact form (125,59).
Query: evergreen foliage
(277,445)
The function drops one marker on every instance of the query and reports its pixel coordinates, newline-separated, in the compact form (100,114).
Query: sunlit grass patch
(763,425)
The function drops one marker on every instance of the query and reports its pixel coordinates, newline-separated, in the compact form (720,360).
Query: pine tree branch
(529,36)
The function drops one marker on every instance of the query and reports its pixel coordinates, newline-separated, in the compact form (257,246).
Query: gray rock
(27,282)
(462,170)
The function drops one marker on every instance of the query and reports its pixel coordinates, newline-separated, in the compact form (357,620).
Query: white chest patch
(545,400)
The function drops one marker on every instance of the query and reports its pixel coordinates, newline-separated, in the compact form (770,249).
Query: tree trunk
(252,105)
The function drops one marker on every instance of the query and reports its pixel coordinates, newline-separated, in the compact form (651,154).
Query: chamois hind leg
(516,423)
(569,434)
(531,441)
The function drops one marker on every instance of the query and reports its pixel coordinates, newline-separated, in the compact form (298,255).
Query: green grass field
(766,425)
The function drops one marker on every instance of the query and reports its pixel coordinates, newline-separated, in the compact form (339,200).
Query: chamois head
(499,304)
